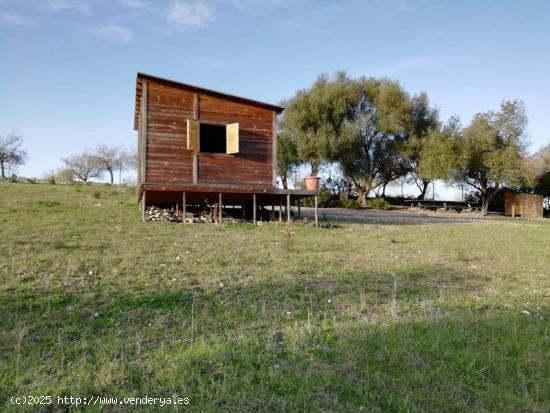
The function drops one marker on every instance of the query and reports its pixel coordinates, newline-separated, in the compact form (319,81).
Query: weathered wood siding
(167,157)
(529,206)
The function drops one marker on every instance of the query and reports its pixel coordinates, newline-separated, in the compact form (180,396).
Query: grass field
(374,318)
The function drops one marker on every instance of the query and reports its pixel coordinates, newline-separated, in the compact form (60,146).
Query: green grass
(388,318)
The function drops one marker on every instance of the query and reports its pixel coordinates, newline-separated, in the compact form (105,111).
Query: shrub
(351,204)
(378,203)
(51,180)
(97,194)
(325,198)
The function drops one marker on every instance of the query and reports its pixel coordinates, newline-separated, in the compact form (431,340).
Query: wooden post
(244,210)
(220,207)
(272,218)
(316,210)
(521,210)
(280,209)
(299,201)
(513,210)
(143,204)
(254,208)
(288,208)
(184,209)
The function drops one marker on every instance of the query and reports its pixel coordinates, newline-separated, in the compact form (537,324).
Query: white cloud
(14,19)
(112,33)
(190,15)
(79,5)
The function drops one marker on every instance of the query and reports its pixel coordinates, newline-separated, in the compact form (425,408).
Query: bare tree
(84,166)
(11,152)
(111,159)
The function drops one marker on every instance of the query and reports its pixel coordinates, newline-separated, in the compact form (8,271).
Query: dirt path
(392,216)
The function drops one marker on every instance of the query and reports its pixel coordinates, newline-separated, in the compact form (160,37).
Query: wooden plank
(274,148)
(144,123)
(232,138)
(288,208)
(193,135)
(184,209)
(316,210)
(254,208)
(143,205)
(195,106)
(195,169)
(220,203)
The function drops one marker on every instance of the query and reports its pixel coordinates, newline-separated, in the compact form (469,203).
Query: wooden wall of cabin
(168,159)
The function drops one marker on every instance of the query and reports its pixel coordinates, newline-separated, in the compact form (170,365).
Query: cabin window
(212,138)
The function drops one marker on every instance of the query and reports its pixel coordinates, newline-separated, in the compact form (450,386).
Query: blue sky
(68,67)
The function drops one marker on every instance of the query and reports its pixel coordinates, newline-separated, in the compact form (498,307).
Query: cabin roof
(197,89)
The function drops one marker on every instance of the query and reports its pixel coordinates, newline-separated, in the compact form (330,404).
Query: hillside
(434,317)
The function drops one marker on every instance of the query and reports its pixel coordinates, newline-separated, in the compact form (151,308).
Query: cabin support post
(143,205)
(280,209)
(316,210)
(244,209)
(183,209)
(288,208)
(299,202)
(513,211)
(272,218)
(220,207)
(254,208)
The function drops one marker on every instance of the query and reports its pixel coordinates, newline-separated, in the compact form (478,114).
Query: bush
(325,198)
(351,204)
(97,194)
(378,203)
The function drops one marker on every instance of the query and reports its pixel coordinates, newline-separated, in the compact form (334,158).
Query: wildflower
(288,313)
(173,279)
(221,285)
(178,258)
(525,312)
(90,272)
(96,315)
(329,301)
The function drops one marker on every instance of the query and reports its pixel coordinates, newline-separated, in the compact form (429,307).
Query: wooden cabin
(197,145)
(529,206)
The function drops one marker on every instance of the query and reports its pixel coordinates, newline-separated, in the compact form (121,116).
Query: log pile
(208,215)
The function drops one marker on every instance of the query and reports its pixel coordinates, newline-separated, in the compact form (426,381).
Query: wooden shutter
(193,135)
(232,138)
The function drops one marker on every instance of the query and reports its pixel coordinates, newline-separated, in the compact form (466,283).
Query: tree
(313,118)
(541,165)
(84,166)
(493,150)
(440,151)
(370,143)
(11,152)
(110,158)
(287,157)
(423,119)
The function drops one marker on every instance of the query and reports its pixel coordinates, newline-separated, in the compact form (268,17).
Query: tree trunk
(423,189)
(112,177)
(384,191)
(2,167)
(362,195)
(284,182)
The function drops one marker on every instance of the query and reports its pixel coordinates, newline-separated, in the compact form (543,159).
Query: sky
(68,67)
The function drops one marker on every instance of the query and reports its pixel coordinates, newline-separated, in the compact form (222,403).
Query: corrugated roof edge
(198,89)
